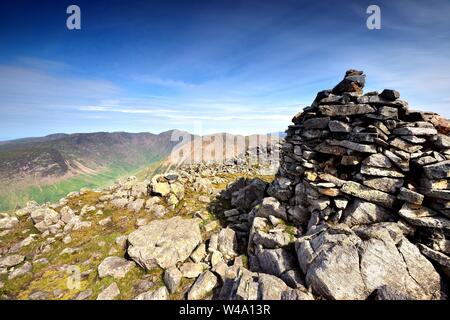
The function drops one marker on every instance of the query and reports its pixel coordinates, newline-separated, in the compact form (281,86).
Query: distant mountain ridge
(70,154)
(49,137)
(47,168)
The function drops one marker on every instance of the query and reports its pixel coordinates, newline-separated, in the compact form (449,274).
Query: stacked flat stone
(359,160)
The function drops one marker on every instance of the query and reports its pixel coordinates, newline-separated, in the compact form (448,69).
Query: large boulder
(341,264)
(164,243)
(332,268)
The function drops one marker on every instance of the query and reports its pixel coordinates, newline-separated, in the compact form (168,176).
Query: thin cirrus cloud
(165,82)
(190,111)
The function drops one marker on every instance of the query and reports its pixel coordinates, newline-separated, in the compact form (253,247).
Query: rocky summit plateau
(353,204)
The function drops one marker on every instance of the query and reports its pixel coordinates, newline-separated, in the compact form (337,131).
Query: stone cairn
(367,182)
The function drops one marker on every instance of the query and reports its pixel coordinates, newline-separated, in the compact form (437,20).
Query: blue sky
(208,66)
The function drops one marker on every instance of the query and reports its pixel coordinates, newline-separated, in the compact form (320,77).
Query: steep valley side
(44,169)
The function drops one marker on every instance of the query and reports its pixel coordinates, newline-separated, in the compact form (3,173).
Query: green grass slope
(46,169)
(16,196)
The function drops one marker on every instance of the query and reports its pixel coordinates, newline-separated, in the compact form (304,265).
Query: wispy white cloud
(196,110)
(165,82)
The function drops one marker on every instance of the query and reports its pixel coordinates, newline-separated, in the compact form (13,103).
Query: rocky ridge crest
(358,209)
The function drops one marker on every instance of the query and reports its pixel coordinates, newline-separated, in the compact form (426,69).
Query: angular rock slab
(440,170)
(384,184)
(164,243)
(442,260)
(400,267)
(110,293)
(363,212)
(204,284)
(172,279)
(159,294)
(423,217)
(8,223)
(340,264)
(345,110)
(253,286)
(333,272)
(11,261)
(228,244)
(115,267)
(275,261)
(357,190)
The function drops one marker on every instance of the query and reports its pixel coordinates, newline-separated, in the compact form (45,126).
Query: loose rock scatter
(356,206)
